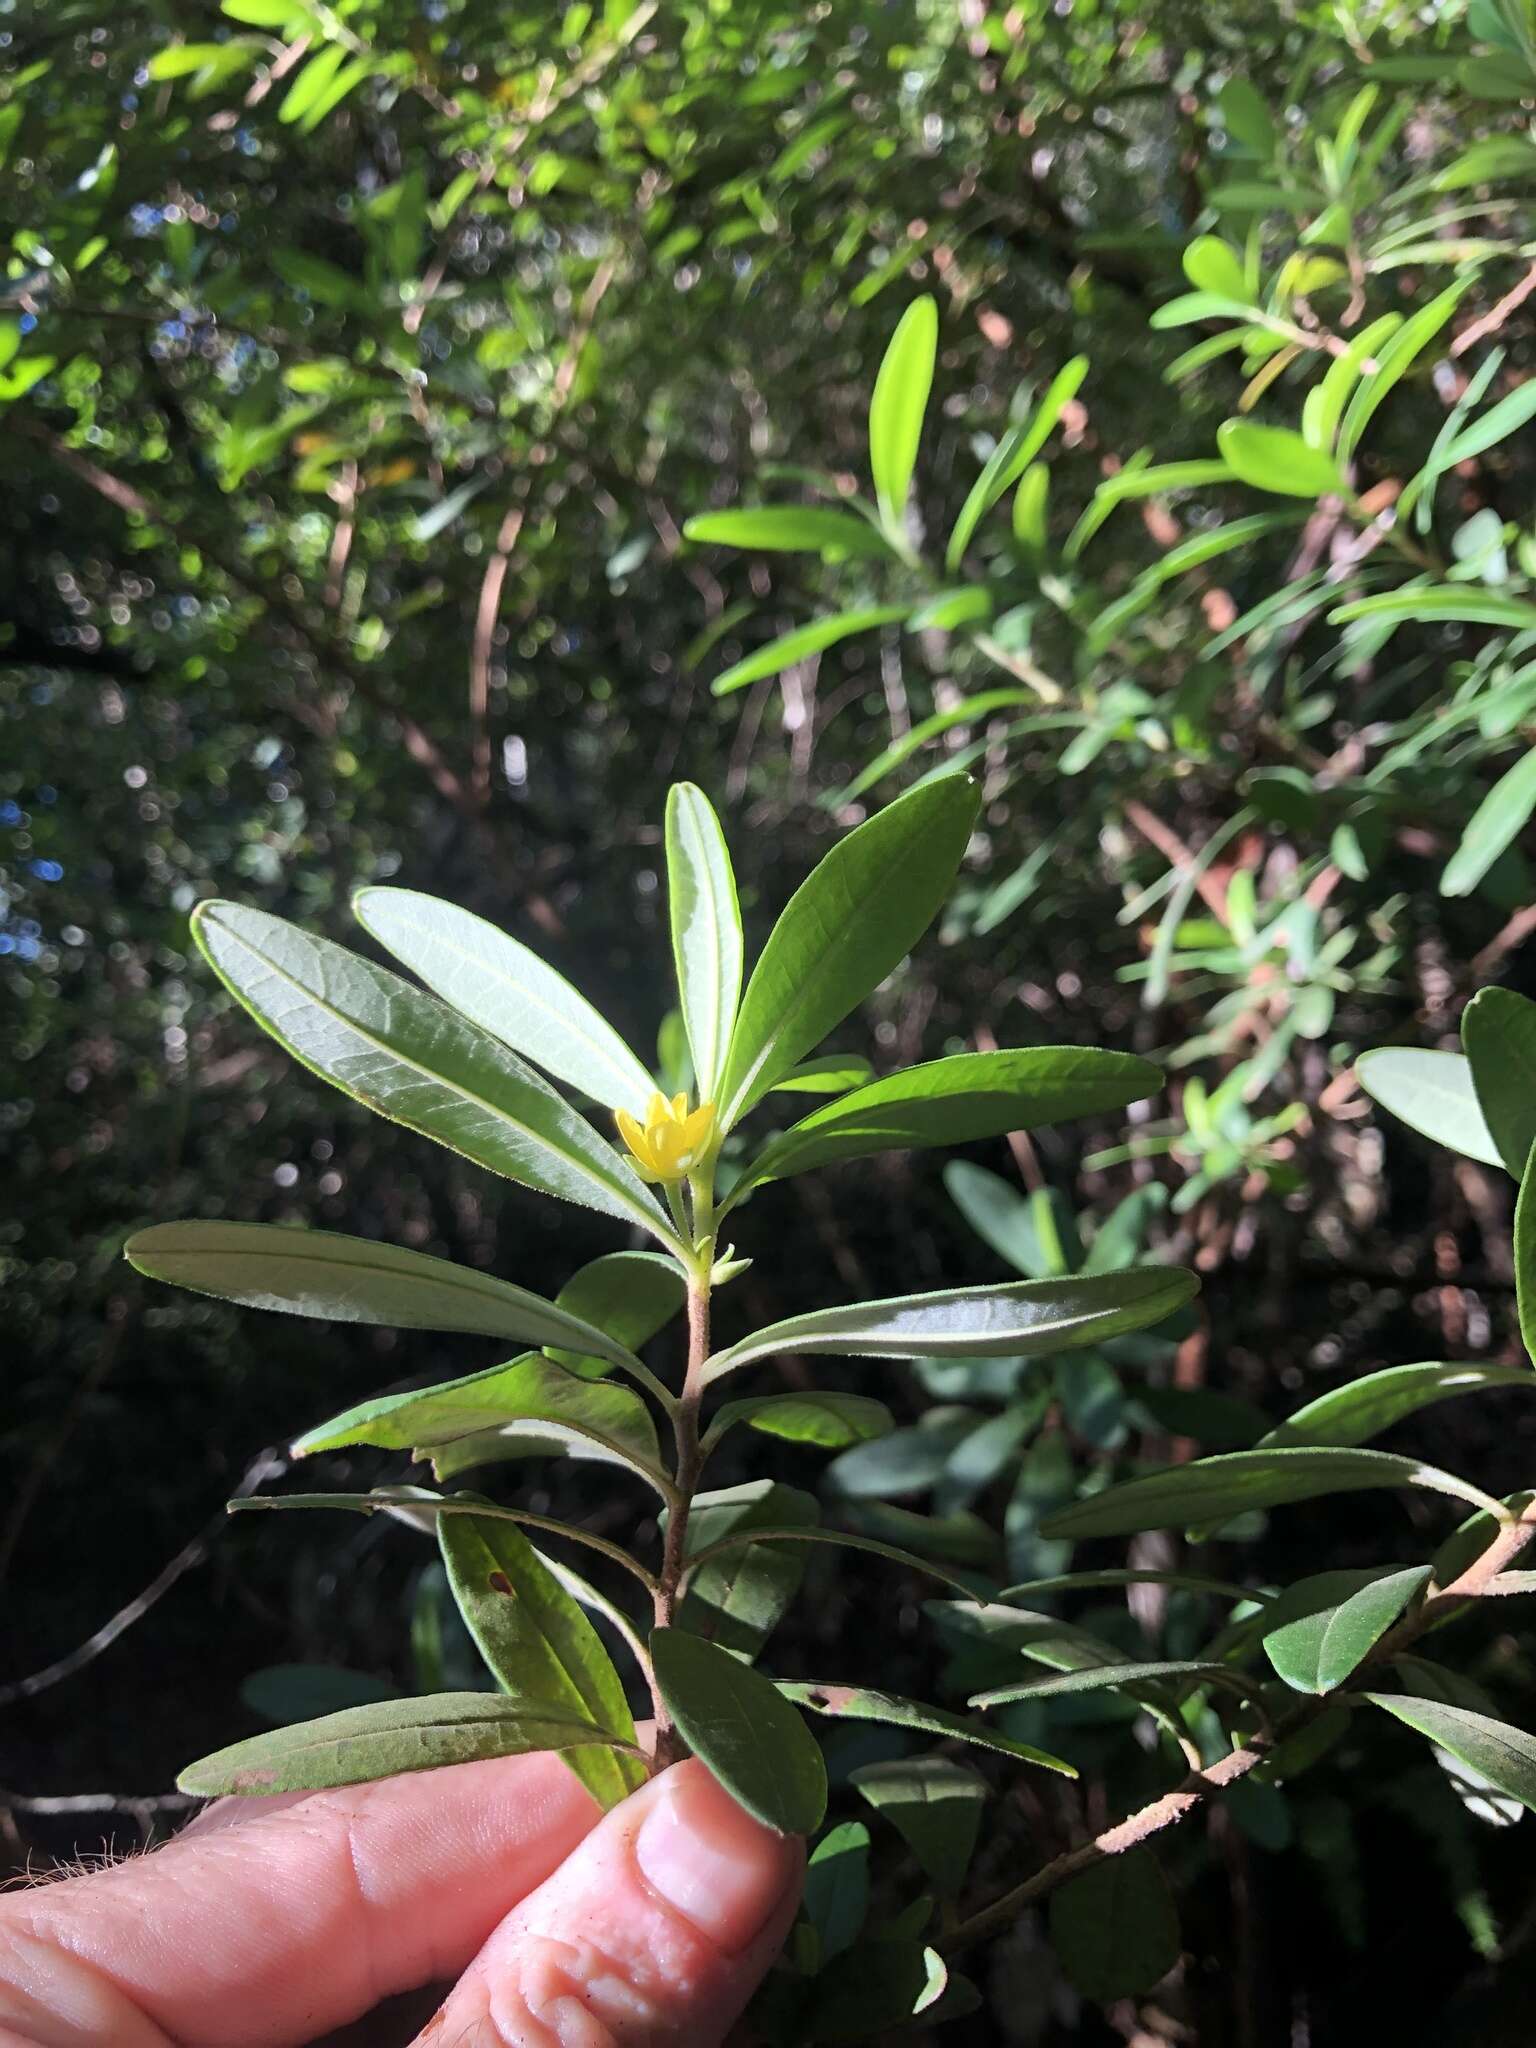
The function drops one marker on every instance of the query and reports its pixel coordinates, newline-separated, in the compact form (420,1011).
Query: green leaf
(521,1399)
(312,80)
(1021,1319)
(1433,1093)
(954,1101)
(628,1295)
(1498,1030)
(1212,265)
(935,1806)
(1116,1928)
(763,1539)
(706,930)
(780,654)
(410,1058)
(738,1598)
(829,1421)
(837,1888)
(1396,359)
(833,1073)
(853,919)
(350,1280)
(1505,1756)
(507,990)
(1214,1490)
(1333,1621)
(1363,1408)
(740,1725)
(1275,459)
(860,1703)
(537,1643)
(378,1741)
(1500,421)
(1120,1575)
(1525,1260)
(1448,604)
(896,410)
(948,610)
(1246,118)
(1326,401)
(1019,1228)
(281,15)
(1494,826)
(1138,1679)
(793,529)
(1012,456)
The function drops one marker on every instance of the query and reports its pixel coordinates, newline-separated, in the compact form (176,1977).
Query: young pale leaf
(830,1422)
(1505,1756)
(935,1806)
(794,529)
(845,928)
(953,1101)
(815,638)
(410,1058)
(860,1703)
(1116,1928)
(1494,826)
(1012,456)
(1329,1624)
(739,1596)
(833,1073)
(537,1643)
(628,1295)
(1433,1093)
(740,1725)
(1498,1029)
(507,990)
(377,1741)
(902,385)
(837,1888)
(706,930)
(1214,1490)
(1354,1413)
(351,1280)
(1025,1319)
(530,1390)
(1275,459)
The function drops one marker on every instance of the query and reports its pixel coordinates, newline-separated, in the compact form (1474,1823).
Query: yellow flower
(673,1138)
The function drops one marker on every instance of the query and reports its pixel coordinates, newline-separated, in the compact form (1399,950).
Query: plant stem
(1477,1581)
(685,1477)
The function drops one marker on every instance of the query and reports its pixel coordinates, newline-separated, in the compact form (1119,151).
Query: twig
(1493,320)
(1177,855)
(270,1464)
(1509,935)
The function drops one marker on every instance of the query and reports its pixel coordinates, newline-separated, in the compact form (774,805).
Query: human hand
(267,1923)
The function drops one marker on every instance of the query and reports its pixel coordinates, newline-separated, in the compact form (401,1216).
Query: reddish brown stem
(685,1422)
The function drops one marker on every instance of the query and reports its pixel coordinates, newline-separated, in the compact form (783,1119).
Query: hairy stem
(1477,1581)
(685,1478)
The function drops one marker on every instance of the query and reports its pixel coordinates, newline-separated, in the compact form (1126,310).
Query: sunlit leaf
(706,930)
(1434,1094)
(861,1703)
(896,410)
(935,1805)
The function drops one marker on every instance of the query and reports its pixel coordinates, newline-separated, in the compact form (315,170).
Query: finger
(658,1928)
(260,1931)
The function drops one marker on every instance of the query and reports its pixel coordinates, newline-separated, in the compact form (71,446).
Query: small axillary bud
(673,1141)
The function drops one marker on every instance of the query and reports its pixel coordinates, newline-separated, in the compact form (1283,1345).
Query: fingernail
(709,1860)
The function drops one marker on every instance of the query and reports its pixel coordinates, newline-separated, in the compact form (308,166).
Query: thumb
(657,1928)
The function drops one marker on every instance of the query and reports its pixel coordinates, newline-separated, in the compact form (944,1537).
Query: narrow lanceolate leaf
(507,990)
(1495,825)
(1024,1318)
(351,1280)
(1276,459)
(628,1295)
(830,1422)
(1329,1624)
(831,1073)
(902,385)
(737,1722)
(738,1597)
(537,1643)
(529,1392)
(815,638)
(1505,1756)
(706,930)
(412,1059)
(861,1703)
(1116,1928)
(1354,1413)
(953,1101)
(1137,1679)
(1525,1261)
(391,1736)
(795,529)
(763,1538)
(1498,1029)
(1216,1489)
(1013,455)
(1434,1094)
(935,1805)
(845,928)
